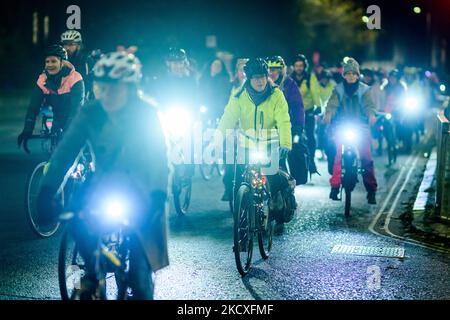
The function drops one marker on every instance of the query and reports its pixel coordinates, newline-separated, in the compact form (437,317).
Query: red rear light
(49,124)
(263,180)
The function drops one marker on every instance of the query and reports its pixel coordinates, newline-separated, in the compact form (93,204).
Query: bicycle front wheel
(33,182)
(243,229)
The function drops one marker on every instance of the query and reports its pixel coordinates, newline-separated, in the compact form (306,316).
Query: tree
(332,27)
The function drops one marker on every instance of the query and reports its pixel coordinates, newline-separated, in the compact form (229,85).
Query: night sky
(247,28)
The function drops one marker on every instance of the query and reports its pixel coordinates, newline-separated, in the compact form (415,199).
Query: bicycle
(83,163)
(110,257)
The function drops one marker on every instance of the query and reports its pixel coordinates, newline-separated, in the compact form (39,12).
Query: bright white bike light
(259,157)
(176,121)
(388,116)
(115,209)
(203,109)
(349,135)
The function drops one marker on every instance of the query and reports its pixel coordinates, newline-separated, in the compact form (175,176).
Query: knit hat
(351,64)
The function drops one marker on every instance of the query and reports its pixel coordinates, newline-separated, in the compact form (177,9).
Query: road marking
(388,252)
(391,210)
(388,198)
(399,194)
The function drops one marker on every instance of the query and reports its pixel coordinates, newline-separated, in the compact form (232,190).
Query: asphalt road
(202,266)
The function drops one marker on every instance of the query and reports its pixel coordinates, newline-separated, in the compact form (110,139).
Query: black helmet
(326,74)
(176,54)
(368,73)
(275,62)
(301,57)
(256,67)
(395,73)
(57,51)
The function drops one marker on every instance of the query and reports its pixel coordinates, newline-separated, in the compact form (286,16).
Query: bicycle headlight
(348,135)
(259,157)
(176,121)
(115,209)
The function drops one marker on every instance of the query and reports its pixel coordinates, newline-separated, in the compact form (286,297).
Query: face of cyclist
(53,65)
(351,77)
(274,73)
(112,96)
(258,82)
(299,67)
(216,68)
(71,47)
(177,68)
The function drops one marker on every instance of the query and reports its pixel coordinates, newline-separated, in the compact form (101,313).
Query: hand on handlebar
(284,152)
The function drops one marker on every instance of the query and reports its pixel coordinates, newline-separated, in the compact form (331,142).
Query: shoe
(334,194)
(371,198)
(226,196)
(278,229)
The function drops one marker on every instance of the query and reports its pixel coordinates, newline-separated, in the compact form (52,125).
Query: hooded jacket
(272,112)
(64,92)
(129,149)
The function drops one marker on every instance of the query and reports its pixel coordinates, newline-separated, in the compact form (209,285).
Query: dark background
(247,28)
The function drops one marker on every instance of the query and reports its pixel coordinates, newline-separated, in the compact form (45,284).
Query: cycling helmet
(71,36)
(395,73)
(256,67)
(301,57)
(57,51)
(176,54)
(118,67)
(275,62)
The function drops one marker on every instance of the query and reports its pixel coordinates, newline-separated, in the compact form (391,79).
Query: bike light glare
(203,109)
(259,157)
(388,116)
(350,135)
(115,209)
(176,121)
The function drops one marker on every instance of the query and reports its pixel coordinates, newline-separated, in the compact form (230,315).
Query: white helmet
(118,67)
(71,36)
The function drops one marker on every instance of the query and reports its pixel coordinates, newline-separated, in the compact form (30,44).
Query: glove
(318,111)
(284,152)
(47,207)
(23,136)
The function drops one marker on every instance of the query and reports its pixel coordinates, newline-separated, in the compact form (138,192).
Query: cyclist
(326,88)
(277,73)
(236,86)
(72,41)
(258,101)
(351,100)
(130,151)
(309,89)
(59,86)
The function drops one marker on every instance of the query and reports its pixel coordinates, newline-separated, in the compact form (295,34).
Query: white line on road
(388,198)
(391,210)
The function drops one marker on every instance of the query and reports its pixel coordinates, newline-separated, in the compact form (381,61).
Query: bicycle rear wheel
(182,191)
(33,182)
(265,234)
(348,201)
(243,230)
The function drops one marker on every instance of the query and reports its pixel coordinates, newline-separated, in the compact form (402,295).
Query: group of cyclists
(96,99)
